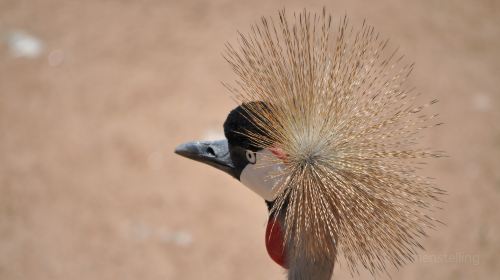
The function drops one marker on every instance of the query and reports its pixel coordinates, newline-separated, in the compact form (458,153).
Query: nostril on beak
(211,151)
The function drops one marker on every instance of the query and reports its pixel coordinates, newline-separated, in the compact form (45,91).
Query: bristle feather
(347,120)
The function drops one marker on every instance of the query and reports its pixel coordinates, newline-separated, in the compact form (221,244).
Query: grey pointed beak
(214,153)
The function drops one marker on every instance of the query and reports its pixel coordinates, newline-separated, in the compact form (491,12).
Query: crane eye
(251,156)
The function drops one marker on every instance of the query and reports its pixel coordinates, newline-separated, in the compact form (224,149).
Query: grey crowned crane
(326,133)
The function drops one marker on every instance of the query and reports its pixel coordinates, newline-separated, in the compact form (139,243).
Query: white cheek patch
(263,177)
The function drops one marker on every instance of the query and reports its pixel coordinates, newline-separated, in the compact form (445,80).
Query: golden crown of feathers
(338,105)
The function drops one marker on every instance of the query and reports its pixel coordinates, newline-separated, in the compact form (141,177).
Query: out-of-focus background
(95,95)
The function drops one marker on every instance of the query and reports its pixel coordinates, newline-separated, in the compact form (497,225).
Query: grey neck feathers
(304,269)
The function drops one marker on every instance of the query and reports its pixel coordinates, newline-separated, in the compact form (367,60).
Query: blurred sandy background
(95,95)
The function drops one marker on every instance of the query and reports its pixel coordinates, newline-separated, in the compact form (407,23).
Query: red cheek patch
(279,153)
(274,242)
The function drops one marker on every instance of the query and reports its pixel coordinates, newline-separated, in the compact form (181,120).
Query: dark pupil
(250,156)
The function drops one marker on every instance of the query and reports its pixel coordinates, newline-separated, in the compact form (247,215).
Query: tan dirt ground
(90,187)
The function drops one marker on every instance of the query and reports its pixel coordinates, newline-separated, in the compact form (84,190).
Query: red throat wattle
(274,233)
(274,242)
